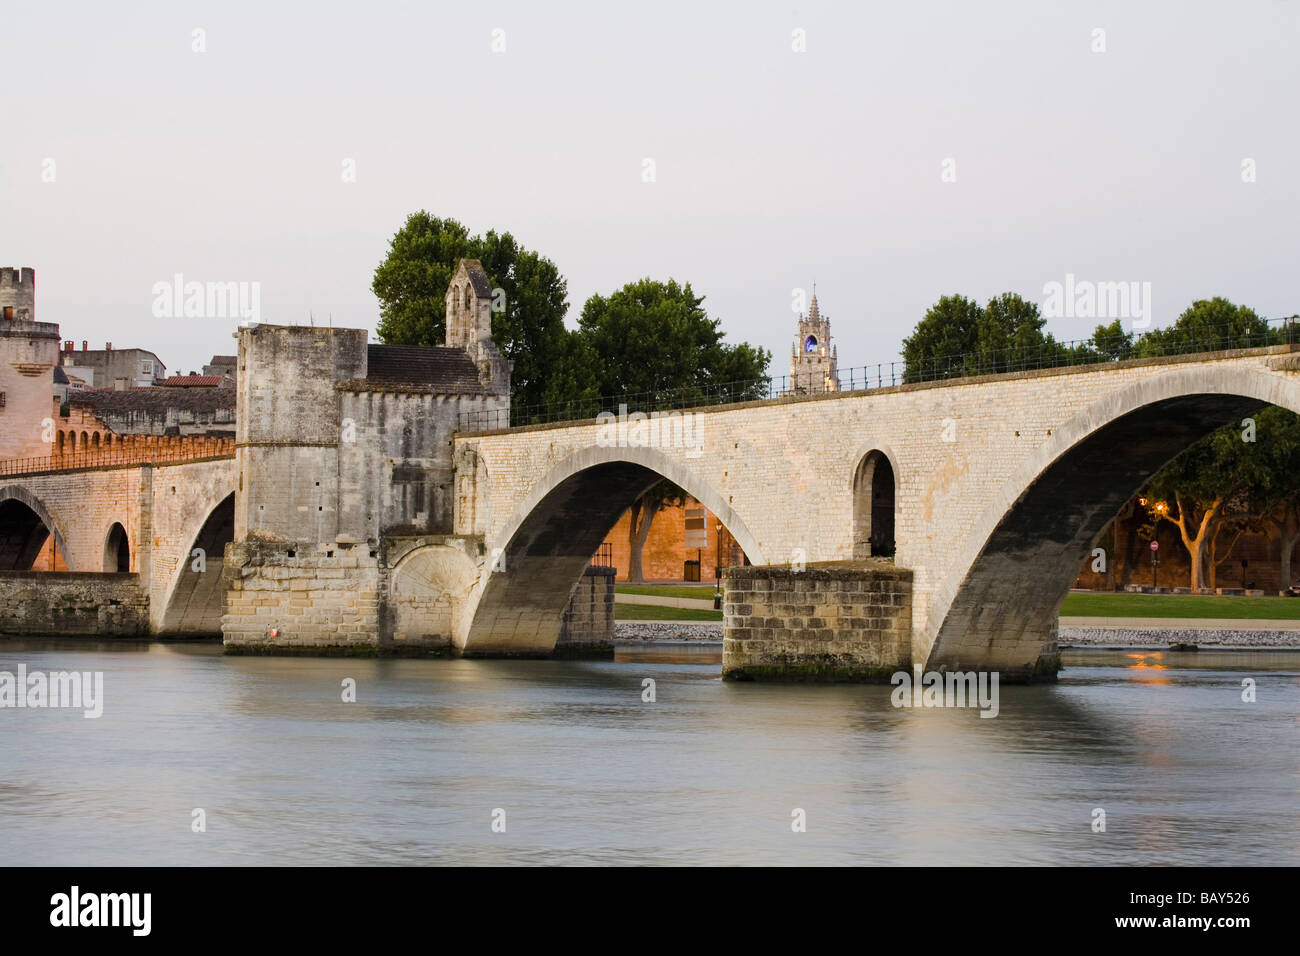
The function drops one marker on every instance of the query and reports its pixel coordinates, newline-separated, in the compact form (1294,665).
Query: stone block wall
(846,623)
(588,622)
(294,596)
(68,603)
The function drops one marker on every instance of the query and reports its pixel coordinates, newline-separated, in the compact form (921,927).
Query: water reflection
(589,771)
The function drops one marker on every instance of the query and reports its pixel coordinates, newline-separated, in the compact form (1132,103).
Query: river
(580,769)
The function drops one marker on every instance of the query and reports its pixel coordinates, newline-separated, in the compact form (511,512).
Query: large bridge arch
(21,538)
(195,598)
(535,561)
(1041,524)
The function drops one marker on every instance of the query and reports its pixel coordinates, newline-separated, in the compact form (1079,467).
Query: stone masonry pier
(837,623)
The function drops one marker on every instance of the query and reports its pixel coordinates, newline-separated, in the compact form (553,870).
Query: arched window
(117,550)
(60,443)
(85,441)
(72,442)
(873,507)
(95,440)
(455,298)
(467,297)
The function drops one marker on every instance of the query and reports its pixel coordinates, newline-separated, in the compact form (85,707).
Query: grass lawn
(668,590)
(1076,605)
(1180,605)
(653,612)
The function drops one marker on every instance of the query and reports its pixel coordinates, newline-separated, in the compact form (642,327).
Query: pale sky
(773,168)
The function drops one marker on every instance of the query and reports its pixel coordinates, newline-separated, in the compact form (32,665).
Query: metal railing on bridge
(1152,343)
(102,459)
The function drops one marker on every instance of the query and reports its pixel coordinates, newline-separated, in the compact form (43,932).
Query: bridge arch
(875,490)
(25,523)
(428,588)
(1047,516)
(536,560)
(195,598)
(117,550)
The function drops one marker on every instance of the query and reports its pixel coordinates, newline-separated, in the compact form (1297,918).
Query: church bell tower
(812,358)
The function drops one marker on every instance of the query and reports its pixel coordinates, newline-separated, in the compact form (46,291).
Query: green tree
(1208,325)
(959,337)
(1111,343)
(945,342)
(530,330)
(1271,470)
(1226,483)
(411,284)
(655,337)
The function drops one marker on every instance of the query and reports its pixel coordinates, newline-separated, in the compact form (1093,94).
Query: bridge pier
(851,621)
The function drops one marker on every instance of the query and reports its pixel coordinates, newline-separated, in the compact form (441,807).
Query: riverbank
(1146,636)
(1284,635)
(650,632)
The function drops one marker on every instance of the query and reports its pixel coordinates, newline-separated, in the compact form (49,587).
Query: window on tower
(810,344)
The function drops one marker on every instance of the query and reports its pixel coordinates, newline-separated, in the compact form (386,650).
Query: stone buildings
(114,368)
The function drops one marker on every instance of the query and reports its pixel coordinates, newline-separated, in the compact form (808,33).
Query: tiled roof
(437,369)
(157,399)
(191,381)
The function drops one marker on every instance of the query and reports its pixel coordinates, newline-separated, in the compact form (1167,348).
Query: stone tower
(812,358)
(29,350)
(18,294)
(469,324)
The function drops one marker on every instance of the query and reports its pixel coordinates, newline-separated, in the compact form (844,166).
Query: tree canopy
(653,336)
(1236,479)
(411,284)
(959,337)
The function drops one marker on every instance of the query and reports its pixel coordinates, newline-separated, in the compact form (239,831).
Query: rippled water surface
(587,772)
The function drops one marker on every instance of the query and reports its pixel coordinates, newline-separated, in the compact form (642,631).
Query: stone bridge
(142,523)
(341,523)
(994,490)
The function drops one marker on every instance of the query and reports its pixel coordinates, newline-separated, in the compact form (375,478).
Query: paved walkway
(691,603)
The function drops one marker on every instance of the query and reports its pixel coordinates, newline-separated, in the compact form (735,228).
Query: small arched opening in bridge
(1002,612)
(28,539)
(552,536)
(874,496)
(117,550)
(197,598)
